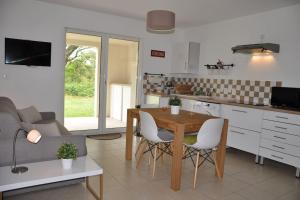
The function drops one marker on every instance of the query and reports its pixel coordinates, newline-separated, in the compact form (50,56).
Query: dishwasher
(207,108)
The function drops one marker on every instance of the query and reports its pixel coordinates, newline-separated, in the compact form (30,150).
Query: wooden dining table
(185,122)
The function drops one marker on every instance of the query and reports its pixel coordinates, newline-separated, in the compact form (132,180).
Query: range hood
(256,48)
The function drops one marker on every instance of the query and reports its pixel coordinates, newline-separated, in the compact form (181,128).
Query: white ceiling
(188,12)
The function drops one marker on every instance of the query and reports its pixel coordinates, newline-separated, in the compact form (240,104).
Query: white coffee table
(40,173)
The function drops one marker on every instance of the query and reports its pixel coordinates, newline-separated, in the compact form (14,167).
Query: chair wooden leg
(154,160)
(196,170)
(140,155)
(149,159)
(161,153)
(139,147)
(184,150)
(216,167)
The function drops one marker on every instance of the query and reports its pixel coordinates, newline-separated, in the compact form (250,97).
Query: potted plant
(175,104)
(67,152)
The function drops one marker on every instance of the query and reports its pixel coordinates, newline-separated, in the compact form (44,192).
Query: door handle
(278,147)
(275,136)
(240,111)
(283,128)
(277,157)
(238,132)
(281,117)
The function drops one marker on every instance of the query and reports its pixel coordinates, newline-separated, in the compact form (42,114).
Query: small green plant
(67,151)
(174,101)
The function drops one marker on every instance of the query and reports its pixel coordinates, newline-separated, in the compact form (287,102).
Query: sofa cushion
(46,129)
(62,129)
(30,115)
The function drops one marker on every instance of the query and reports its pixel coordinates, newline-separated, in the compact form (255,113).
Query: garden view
(80,81)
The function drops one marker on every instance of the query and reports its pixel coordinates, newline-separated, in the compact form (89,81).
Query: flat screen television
(27,52)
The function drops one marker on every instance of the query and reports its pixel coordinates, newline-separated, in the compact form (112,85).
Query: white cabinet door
(120,101)
(179,57)
(193,57)
(116,102)
(163,102)
(243,139)
(187,104)
(126,97)
(247,118)
(185,57)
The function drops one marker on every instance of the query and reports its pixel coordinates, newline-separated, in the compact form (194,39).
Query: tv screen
(27,52)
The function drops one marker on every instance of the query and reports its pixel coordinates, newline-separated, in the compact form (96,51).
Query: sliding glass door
(82,72)
(121,81)
(100,81)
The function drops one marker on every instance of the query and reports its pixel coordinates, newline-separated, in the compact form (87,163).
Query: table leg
(129,136)
(177,158)
(221,152)
(1,195)
(100,197)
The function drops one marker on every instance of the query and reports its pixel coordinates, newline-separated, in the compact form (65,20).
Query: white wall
(33,20)
(280,26)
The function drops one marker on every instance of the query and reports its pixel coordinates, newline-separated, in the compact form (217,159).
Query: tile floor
(243,179)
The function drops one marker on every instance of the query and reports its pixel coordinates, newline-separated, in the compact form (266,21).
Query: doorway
(101,75)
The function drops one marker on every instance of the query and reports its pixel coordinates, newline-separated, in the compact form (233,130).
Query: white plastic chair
(153,138)
(208,138)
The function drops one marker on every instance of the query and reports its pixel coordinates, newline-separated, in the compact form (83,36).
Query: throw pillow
(30,115)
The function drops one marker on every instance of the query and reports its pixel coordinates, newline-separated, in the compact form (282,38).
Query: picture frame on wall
(158,53)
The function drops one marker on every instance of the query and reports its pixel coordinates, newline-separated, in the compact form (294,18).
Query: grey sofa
(26,152)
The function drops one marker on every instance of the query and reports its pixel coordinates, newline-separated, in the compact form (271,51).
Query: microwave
(285,97)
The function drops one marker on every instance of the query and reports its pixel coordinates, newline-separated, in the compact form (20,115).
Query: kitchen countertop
(227,101)
(232,102)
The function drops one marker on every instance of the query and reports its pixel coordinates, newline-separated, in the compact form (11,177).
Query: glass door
(82,77)
(121,81)
(100,81)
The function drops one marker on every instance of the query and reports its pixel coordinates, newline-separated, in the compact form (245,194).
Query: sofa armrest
(45,149)
(48,115)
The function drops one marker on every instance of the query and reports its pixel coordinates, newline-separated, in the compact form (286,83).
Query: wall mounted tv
(27,52)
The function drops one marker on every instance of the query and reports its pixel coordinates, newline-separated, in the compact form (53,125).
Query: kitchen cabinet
(187,104)
(244,127)
(152,101)
(264,133)
(186,57)
(120,101)
(280,138)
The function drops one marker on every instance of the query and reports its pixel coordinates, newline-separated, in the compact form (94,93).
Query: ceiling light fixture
(161,21)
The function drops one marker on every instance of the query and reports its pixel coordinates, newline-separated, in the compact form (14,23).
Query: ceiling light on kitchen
(161,21)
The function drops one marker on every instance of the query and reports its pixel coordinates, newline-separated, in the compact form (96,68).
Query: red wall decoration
(157,53)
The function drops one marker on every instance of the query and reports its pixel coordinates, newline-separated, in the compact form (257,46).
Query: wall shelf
(219,66)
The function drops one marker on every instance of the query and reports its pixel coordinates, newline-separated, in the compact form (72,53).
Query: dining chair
(208,139)
(155,141)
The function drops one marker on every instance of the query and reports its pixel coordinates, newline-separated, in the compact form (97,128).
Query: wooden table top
(164,119)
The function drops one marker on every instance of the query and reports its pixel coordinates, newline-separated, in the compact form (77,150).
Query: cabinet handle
(281,117)
(283,128)
(238,132)
(277,157)
(278,147)
(275,136)
(240,111)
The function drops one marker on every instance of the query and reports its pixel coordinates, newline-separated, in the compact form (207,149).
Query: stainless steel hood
(256,48)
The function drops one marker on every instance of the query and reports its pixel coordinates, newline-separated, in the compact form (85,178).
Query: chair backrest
(209,135)
(148,127)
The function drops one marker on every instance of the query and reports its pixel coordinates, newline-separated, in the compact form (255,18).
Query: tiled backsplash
(243,91)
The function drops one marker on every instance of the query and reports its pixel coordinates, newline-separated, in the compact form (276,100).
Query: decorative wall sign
(157,53)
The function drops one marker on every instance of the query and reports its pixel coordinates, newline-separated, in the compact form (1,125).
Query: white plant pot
(175,110)
(67,163)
